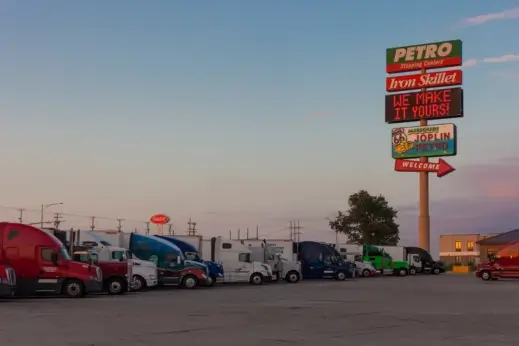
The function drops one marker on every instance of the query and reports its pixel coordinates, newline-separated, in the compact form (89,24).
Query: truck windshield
(64,254)
(192,256)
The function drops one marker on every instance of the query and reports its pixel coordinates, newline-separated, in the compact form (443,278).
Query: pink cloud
(501,59)
(512,13)
(470,63)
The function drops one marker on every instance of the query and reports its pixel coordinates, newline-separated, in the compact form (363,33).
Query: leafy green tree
(368,220)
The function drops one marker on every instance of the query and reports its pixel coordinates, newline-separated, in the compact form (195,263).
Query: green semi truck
(380,259)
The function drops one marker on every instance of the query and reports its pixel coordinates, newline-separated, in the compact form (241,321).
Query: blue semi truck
(191,253)
(320,261)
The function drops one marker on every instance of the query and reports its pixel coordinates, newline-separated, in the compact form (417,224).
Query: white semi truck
(235,257)
(279,255)
(399,253)
(144,273)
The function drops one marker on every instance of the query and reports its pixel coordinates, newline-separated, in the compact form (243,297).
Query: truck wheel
(366,273)
(256,279)
(340,276)
(436,271)
(138,283)
(115,286)
(189,281)
(292,277)
(485,275)
(401,272)
(73,289)
(412,271)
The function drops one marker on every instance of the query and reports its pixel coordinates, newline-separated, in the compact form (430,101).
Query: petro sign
(429,105)
(424,56)
(159,219)
(424,80)
(423,141)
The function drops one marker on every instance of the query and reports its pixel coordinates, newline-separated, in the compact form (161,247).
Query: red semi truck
(502,265)
(43,265)
(115,273)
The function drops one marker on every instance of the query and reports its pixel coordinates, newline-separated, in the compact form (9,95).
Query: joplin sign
(429,105)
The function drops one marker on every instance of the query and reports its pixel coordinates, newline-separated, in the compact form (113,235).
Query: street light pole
(45,206)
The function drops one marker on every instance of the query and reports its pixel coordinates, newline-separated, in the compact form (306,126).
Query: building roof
(503,238)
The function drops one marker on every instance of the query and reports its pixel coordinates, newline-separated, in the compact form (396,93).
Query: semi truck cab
(238,265)
(173,269)
(320,262)
(43,265)
(192,254)
(503,265)
(144,273)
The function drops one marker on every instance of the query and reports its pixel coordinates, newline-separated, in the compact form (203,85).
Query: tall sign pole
(432,102)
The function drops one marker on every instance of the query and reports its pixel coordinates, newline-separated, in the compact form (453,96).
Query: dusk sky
(238,113)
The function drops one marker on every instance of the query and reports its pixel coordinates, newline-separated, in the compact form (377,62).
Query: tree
(369,220)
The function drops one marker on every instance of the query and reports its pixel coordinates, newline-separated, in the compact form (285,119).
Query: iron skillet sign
(429,105)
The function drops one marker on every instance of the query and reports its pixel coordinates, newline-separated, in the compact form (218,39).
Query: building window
(457,260)
(458,246)
(470,246)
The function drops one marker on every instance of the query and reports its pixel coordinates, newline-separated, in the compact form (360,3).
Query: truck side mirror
(121,259)
(54,258)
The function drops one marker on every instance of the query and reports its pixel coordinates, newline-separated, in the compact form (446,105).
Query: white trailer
(399,253)
(236,259)
(144,273)
(279,255)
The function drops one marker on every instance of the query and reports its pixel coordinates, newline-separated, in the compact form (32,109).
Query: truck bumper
(7,290)
(268,278)
(92,286)
(151,282)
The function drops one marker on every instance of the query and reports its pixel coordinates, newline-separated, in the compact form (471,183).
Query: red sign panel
(425,80)
(159,219)
(441,168)
(429,105)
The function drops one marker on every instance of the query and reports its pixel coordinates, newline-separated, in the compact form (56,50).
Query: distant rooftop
(503,238)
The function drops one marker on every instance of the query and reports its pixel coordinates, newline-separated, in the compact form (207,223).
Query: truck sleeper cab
(319,262)
(7,281)
(238,266)
(192,255)
(173,270)
(43,265)
(115,273)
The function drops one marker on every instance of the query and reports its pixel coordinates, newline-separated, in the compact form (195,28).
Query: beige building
(461,248)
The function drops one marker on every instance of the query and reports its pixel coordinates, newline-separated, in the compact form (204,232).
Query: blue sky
(233,112)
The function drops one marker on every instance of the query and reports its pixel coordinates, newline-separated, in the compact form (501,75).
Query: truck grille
(11,276)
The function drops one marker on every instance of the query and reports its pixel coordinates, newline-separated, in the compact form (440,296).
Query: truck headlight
(152,277)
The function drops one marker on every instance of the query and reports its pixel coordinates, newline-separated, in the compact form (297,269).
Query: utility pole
(192,227)
(171,231)
(257,231)
(57,220)
(120,225)
(147,228)
(92,223)
(239,234)
(230,234)
(298,231)
(20,219)
(247,233)
(291,227)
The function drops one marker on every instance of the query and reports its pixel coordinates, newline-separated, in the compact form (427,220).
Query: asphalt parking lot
(423,310)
